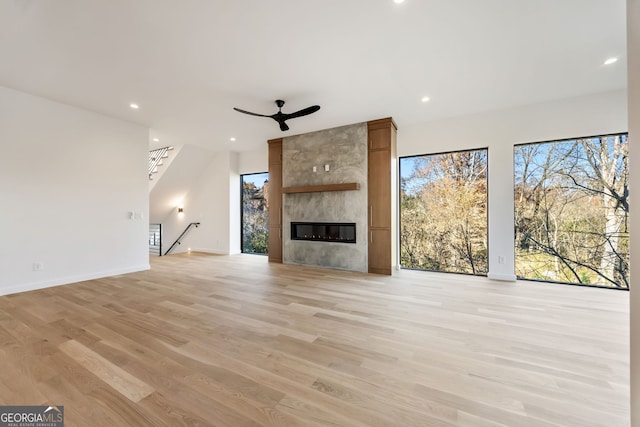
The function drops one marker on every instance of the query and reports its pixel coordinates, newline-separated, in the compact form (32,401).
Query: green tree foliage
(255,218)
(443,209)
(571,211)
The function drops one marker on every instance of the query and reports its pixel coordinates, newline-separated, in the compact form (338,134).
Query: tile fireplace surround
(344,149)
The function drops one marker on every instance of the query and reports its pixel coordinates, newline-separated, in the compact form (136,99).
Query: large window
(443,212)
(572,211)
(255,213)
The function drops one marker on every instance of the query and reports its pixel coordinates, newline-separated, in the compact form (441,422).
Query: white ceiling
(188,62)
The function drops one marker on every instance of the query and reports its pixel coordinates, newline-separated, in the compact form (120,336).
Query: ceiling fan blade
(280,117)
(249,112)
(303,112)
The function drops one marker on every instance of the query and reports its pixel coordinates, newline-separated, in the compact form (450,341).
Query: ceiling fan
(281,117)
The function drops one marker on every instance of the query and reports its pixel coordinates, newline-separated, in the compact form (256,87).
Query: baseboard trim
(502,277)
(26,287)
(201,250)
(210,251)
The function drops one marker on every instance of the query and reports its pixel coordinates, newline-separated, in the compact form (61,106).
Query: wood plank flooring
(204,340)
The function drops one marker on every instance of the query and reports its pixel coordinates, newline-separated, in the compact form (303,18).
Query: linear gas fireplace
(324,231)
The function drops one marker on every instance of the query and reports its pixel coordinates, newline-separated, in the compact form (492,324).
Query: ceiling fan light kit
(281,117)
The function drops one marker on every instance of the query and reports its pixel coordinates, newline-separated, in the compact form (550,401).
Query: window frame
(242,176)
(399,201)
(559,140)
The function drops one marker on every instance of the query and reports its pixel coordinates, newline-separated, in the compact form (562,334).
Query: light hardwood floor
(235,341)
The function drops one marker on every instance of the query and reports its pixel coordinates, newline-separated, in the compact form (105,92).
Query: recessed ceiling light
(156,140)
(611,61)
(398,1)
(425,99)
(232,139)
(134,106)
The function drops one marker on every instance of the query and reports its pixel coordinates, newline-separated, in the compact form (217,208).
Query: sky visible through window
(443,212)
(572,211)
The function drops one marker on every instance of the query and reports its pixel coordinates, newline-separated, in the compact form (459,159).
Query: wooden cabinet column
(275,200)
(381,195)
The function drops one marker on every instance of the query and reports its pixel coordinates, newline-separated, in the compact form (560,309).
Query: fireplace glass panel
(324,231)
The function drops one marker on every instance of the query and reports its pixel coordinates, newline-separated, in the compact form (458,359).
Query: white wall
(178,177)
(255,161)
(211,197)
(499,131)
(633,58)
(235,245)
(214,201)
(166,162)
(68,179)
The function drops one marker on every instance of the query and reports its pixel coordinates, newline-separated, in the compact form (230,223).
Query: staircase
(155,239)
(155,159)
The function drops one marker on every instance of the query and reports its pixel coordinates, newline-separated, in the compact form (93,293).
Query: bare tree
(444,213)
(572,211)
(255,219)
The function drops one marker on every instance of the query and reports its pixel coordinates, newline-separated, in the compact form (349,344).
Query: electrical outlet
(38,266)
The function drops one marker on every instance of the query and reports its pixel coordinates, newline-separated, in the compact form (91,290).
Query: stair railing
(155,239)
(179,239)
(155,159)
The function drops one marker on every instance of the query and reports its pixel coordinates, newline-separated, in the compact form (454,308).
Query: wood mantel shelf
(319,188)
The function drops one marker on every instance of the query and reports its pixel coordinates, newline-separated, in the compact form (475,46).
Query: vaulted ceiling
(188,62)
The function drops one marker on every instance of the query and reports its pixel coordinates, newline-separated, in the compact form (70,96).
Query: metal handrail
(178,240)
